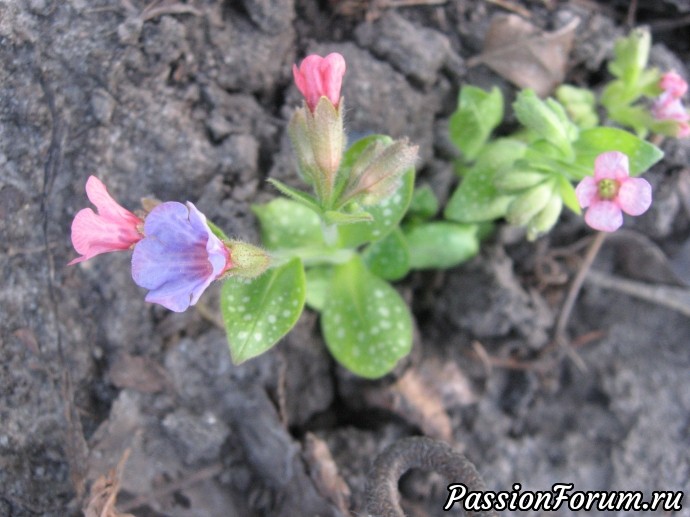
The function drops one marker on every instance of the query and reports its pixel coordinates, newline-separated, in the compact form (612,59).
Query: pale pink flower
(668,106)
(673,84)
(320,77)
(612,191)
(113,228)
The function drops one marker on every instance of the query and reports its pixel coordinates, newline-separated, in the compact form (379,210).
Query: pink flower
(113,228)
(669,106)
(611,191)
(673,84)
(320,77)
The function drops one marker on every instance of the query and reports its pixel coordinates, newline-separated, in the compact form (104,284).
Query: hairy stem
(383,497)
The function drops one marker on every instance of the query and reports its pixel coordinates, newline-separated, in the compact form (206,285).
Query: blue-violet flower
(179,256)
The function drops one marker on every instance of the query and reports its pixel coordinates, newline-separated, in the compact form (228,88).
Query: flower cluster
(176,254)
(669,106)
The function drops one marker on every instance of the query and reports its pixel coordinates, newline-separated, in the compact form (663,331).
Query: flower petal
(108,208)
(319,77)
(605,216)
(586,191)
(333,70)
(113,228)
(611,165)
(673,84)
(635,196)
(179,257)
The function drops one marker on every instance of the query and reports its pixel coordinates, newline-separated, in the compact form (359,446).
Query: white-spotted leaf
(366,324)
(385,215)
(388,258)
(477,199)
(288,224)
(441,244)
(257,313)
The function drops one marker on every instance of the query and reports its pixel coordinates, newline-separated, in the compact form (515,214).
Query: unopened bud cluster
(318,138)
(538,202)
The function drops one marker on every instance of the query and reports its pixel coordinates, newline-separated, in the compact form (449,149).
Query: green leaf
(389,257)
(318,286)
(287,224)
(366,324)
(500,153)
(441,244)
(478,113)
(477,199)
(593,142)
(296,195)
(546,118)
(333,217)
(257,313)
(631,55)
(386,216)
(567,193)
(580,103)
(424,203)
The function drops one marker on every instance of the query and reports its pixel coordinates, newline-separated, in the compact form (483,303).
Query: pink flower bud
(113,228)
(612,191)
(320,77)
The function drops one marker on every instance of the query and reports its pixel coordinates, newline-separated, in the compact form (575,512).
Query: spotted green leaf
(366,324)
(477,199)
(385,216)
(288,224)
(388,258)
(257,313)
(441,244)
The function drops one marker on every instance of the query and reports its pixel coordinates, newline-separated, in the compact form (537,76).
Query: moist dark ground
(190,101)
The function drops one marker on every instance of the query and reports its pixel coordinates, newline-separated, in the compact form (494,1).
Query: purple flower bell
(179,256)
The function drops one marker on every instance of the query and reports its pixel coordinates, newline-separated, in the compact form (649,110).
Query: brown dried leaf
(525,55)
(642,259)
(104,491)
(414,400)
(324,473)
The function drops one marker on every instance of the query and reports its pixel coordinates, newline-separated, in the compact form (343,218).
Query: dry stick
(569,303)
(676,298)
(383,497)
(194,478)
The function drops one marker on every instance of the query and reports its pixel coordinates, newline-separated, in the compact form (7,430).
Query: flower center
(608,188)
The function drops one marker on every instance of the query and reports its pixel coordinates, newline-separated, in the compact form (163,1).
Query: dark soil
(189,101)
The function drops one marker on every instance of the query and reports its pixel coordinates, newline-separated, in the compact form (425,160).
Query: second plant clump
(336,248)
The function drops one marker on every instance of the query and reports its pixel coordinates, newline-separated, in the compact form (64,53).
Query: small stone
(218,126)
(102,105)
(201,436)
